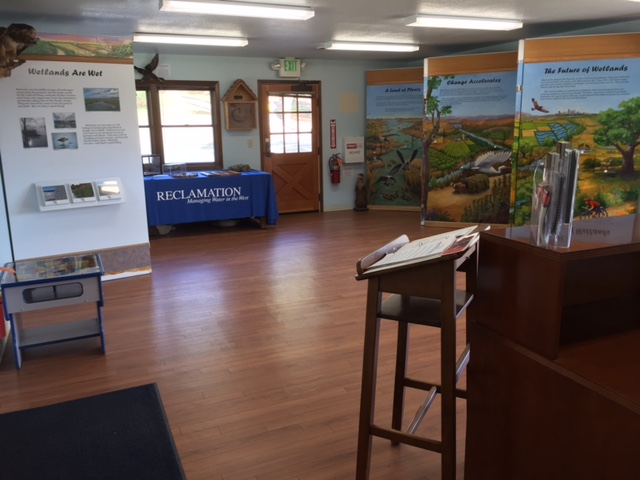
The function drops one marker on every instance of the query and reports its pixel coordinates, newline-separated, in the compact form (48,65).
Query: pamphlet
(429,247)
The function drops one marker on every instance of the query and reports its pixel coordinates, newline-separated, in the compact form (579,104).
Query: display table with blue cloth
(209,196)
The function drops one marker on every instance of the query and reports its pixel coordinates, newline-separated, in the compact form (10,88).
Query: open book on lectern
(403,252)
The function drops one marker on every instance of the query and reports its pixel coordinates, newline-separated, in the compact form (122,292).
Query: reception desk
(210,196)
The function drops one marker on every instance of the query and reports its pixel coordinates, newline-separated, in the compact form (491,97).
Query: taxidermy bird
(13,41)
(147,71)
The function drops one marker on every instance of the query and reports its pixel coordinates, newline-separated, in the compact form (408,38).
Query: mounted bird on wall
(147,71)
(14,39)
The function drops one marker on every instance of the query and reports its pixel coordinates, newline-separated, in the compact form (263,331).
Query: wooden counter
(553,389)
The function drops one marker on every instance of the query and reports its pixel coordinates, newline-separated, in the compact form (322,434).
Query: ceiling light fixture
(190,40)
(474,23)
(369,47)
(238,9)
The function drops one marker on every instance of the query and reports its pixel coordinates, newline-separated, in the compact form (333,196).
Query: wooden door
(290,143)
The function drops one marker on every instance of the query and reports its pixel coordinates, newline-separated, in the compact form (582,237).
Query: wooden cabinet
(552,385)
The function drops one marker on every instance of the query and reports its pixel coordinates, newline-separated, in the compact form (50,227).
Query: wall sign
(353,150)
(290,67)
(332,133)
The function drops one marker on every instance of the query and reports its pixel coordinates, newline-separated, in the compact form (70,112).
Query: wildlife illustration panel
(595,106)
(393,145)
(471,119)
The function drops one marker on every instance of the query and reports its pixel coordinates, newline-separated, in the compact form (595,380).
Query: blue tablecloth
(210,197)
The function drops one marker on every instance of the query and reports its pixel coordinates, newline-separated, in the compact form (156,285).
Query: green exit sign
(290,67)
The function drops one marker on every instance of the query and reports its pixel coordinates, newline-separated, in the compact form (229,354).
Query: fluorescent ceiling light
(238,9)
(462,22)
(190,40)
(369,47)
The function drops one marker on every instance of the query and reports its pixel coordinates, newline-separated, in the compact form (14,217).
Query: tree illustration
(621,129)
(433,112)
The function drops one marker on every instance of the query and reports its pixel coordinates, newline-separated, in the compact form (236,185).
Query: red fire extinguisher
(335,162)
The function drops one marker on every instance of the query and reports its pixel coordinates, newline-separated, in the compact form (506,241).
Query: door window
(290,123)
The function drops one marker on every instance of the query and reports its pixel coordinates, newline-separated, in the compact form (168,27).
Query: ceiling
(348,20)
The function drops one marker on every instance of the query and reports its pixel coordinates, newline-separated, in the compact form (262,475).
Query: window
(180,121)
(290,123)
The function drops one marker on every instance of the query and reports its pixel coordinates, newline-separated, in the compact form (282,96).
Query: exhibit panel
(69,122)
(583,91)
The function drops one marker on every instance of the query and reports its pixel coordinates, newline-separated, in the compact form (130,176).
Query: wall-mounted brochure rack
(60,195)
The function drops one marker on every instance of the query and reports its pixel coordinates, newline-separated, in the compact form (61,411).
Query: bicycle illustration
(592,209)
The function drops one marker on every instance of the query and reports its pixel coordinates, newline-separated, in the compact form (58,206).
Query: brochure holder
(67,194)
(554,191)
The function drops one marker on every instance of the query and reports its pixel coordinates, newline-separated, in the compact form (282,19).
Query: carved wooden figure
(361,194)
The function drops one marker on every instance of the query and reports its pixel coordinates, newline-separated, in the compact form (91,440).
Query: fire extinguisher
(335,162)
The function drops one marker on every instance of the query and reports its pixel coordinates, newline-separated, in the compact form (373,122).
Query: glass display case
(33,285)
(174,169)
(151,165)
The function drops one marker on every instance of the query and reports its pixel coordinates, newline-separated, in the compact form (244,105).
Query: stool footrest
(422,410)
(461,364)
(407,438)
(420,385)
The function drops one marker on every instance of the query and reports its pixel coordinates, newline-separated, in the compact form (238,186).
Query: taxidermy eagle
(14,39)
(147,71)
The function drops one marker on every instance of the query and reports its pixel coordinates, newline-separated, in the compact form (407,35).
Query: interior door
(290,143)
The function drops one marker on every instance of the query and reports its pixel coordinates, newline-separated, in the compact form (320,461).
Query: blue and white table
(210,196)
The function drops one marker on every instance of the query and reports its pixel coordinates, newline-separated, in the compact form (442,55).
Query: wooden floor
(254,337)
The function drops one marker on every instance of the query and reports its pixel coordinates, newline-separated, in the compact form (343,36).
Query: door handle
(267,148)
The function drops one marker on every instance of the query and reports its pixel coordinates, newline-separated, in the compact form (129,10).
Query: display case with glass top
(33,285)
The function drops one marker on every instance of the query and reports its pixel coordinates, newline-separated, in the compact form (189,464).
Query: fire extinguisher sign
(332,133)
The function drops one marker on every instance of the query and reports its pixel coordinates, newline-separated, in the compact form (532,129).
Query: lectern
(423,293)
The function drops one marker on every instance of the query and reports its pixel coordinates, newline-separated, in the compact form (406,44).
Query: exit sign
(290,67)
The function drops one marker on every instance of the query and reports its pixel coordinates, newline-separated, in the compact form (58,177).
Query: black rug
(121,435)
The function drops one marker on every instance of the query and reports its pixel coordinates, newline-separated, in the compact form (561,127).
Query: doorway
(290,142)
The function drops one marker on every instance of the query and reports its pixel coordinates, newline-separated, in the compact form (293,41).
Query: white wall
(343,87)
(5,240)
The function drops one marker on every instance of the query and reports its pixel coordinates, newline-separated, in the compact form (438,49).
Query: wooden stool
(422,293)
